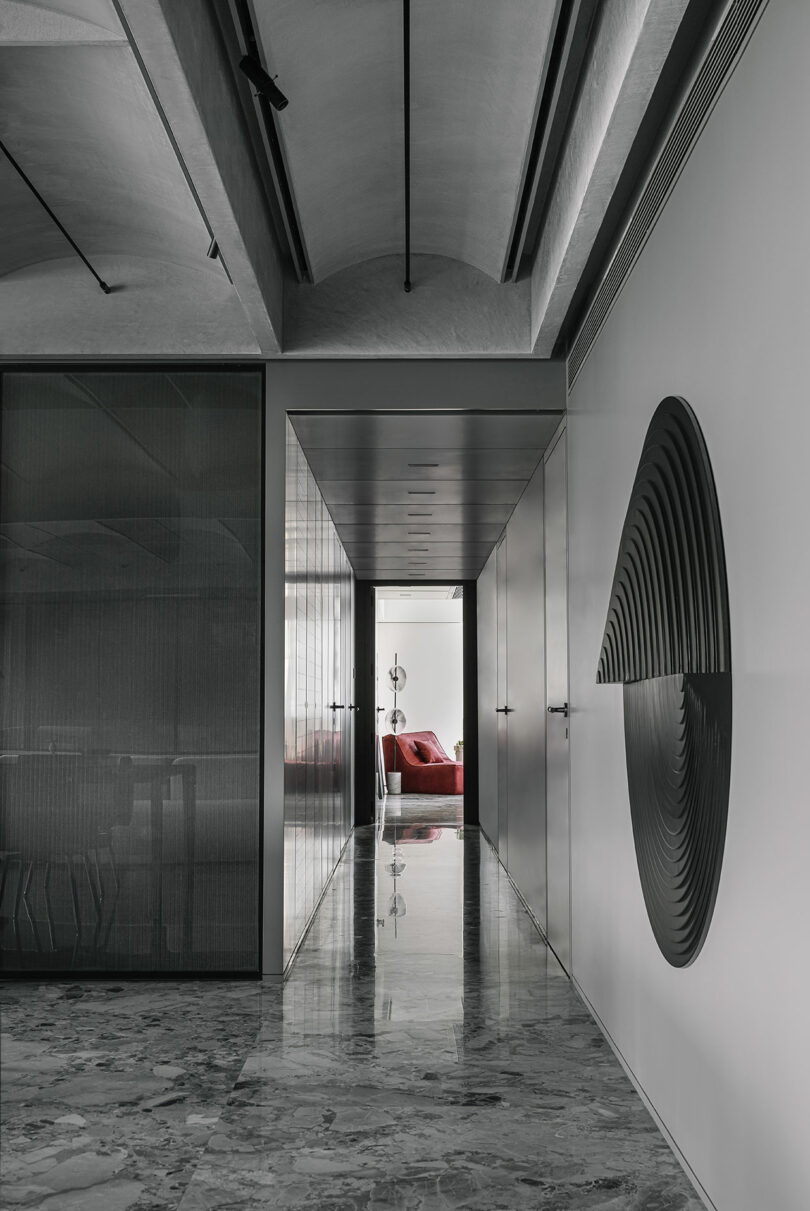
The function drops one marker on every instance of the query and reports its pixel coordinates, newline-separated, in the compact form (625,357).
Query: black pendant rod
(46,207)
(406,59)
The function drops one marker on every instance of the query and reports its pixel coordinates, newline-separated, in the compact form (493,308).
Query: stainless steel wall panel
(525,606)
(318,807)
(502,695)
(488,699)
(558,857)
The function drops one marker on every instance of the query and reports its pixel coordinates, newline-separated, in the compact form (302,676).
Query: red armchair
(419,777)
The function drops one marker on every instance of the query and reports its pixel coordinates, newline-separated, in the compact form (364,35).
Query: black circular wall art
(667,640)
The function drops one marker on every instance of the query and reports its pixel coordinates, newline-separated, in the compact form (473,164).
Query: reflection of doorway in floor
(420,705)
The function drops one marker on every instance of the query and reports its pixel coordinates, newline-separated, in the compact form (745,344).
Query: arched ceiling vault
(476,69)
(530,120)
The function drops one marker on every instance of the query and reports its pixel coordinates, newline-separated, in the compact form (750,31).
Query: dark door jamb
(365,698)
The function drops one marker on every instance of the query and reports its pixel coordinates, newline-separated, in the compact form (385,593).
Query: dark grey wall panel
(131,609)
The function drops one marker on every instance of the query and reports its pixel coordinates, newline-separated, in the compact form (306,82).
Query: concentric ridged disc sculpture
(667,640)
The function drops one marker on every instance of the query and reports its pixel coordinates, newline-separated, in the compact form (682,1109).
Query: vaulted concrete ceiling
(78,115)
(476,69)
(132,119)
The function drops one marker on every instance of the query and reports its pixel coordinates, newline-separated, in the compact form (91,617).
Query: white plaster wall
(715,311)
(431,654)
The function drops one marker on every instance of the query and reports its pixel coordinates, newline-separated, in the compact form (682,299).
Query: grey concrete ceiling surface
(476,67)
(79,116)
(133,121)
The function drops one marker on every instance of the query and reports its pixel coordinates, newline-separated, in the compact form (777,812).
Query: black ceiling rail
(406,73)
(569,50)
(107,289)
(278,186)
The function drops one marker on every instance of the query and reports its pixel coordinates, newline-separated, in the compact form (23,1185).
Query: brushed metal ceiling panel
(403,575)
(415,492)
(471,551)
(459,514)
(424,430)
(478,532)
(364,463)
(400,518)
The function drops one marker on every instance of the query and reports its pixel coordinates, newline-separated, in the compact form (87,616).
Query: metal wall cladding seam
(318,685)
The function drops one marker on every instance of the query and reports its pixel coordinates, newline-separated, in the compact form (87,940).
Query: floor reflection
(426,1052)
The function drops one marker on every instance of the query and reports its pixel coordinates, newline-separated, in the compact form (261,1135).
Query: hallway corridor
(426,1052)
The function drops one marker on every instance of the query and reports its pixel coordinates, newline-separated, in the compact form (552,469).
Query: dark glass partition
(130,605)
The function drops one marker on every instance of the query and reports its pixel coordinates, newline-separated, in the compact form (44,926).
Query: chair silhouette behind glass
(59,808)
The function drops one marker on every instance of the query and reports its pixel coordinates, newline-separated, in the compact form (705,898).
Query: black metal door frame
(365,695)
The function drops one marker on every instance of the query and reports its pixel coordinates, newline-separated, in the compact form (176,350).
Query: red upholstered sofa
(418,777)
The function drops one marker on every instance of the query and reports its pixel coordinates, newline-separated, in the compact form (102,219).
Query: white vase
(394,783)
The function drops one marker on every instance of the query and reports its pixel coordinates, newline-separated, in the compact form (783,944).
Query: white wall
(431,654)
(716,311)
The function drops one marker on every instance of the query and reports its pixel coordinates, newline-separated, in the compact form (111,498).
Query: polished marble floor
(426,1052)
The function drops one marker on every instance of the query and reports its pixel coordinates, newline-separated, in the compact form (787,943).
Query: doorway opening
(419,695)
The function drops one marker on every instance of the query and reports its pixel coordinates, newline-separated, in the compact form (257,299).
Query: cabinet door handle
(336,706)
(559,710)
(504,710)
(353,708)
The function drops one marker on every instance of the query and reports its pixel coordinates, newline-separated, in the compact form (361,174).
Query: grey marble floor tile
(110,1092)
(427,1052)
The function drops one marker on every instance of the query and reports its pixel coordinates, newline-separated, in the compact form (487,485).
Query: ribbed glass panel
(129,723)
(318,694)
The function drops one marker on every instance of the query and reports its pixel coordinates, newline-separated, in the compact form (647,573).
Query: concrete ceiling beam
(184,60)
(630,46)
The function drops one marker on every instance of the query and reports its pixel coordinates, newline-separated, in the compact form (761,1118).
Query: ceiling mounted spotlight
(266,85)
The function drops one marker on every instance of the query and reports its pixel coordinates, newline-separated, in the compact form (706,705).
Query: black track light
(259,78)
